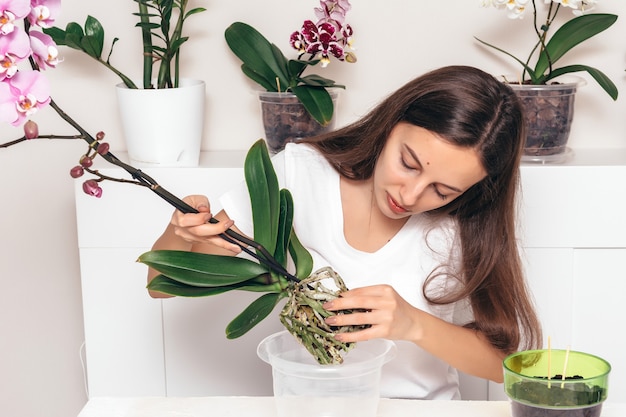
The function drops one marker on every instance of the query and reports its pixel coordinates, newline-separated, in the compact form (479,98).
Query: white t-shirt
(404,262)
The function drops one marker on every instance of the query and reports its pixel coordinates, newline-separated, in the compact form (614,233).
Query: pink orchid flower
(10,11)
(14,47)
(7,103)
(45,52)
(28,92)
(44,12)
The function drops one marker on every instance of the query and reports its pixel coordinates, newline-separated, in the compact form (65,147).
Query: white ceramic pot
(163,127)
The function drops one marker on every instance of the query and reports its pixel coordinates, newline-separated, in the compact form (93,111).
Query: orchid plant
(25,91)
(316,42)
(548,50)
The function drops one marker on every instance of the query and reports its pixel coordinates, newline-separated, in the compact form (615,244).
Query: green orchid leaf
(95,35)
(283,64)
(254,50)
(169,286)
(569,35)
(301,257)
(285,223)
(295,68)
(318,81)
(200,269)
(252,315)
(258,78)
(317,101)
(600,77)
(264,195)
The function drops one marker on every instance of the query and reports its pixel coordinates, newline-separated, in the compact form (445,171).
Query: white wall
(41,327)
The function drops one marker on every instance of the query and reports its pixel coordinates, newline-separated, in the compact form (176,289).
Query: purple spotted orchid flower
(329,36)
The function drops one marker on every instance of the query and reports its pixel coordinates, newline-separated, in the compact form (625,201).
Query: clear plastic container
(304,388)
(286,120)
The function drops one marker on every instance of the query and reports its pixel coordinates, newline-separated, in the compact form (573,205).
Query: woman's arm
(193,232)
(391,317)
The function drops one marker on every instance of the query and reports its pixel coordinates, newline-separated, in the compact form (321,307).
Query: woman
(414,206)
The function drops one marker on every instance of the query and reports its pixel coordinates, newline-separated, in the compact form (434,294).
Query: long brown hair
(469,108)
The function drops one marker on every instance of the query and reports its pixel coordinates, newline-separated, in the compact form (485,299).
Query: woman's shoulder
(302,156)
(298,149)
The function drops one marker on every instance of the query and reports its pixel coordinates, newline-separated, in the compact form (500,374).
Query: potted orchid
(164,95)
(544,88)
(295,105)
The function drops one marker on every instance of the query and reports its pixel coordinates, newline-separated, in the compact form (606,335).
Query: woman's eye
(441,196)
(405,164)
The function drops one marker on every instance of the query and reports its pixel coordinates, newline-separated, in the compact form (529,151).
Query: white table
(264,407)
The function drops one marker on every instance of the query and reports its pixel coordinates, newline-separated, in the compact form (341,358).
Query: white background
(41,326)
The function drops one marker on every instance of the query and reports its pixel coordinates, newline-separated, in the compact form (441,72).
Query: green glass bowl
(534,382)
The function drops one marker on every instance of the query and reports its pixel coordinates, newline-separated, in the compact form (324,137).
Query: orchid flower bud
(103,148)
(31,130)
(86,161)
(91,187)
(77,171)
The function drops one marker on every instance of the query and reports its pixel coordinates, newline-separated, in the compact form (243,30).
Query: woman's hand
(195,227)
(389,315)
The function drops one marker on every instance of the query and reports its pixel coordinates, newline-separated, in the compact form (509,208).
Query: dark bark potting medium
(571,400)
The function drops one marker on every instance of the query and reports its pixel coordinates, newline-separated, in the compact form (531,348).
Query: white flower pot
(163,127)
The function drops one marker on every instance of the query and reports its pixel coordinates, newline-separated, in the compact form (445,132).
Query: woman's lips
(395,207)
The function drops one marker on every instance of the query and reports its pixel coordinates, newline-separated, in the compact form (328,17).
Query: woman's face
(417,171)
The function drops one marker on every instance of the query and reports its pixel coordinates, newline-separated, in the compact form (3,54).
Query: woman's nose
(412,192)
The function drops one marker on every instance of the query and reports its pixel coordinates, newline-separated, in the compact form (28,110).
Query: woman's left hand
(388,315)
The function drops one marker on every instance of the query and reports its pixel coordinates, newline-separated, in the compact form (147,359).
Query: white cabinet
(139,346)
(573,232)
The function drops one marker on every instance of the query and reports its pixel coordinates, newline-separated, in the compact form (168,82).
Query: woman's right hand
(193,232)
(195,228)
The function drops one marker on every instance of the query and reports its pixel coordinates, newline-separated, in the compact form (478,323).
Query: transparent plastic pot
(304,388)
(548,113)
(286,120)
